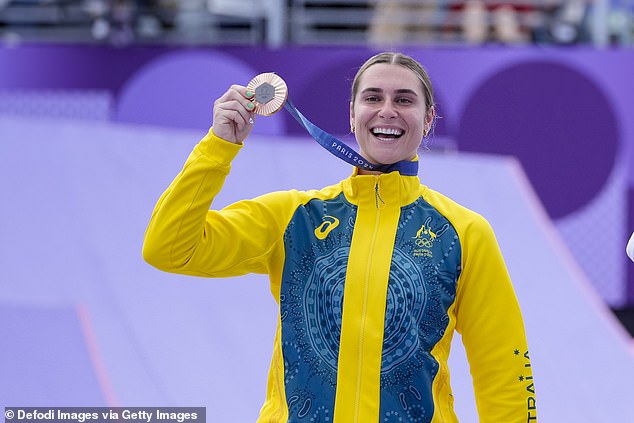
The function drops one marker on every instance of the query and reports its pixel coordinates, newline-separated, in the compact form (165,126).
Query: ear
(429,118)
(351,115)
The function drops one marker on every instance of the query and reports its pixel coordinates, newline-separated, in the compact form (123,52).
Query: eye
(403,100)
(372,99)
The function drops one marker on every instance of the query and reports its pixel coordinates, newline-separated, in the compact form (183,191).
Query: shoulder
(479,247)
(474,230)
(294,198)
(461,217)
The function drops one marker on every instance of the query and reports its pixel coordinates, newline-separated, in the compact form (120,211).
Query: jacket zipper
(377,195)
(365,299)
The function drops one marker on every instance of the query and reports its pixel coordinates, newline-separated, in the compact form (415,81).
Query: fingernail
(249,94)
(250,106)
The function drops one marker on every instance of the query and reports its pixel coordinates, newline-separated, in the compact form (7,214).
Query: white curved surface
(77,198)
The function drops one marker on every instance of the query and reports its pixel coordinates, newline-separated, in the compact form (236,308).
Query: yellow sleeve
(490,322)
(184,236)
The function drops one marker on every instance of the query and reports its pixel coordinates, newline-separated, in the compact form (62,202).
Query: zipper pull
(377,196)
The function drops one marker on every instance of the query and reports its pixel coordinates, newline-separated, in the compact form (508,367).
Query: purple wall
(566,114)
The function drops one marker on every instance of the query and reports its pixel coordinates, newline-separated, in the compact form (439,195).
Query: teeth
(387,131)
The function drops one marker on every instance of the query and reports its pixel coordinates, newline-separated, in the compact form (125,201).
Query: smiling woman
(372,274)
(391,110)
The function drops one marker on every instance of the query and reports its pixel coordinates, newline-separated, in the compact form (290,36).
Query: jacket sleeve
(489,319)
(184,236)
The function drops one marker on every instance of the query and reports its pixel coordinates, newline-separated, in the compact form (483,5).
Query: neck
(368,172)
(404,166)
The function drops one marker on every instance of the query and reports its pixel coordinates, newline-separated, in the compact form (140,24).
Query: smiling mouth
(387,134)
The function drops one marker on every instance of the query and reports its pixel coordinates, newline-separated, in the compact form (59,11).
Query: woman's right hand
(233,114)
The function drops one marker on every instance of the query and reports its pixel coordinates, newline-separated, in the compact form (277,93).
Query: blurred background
(101,102)
(311,22)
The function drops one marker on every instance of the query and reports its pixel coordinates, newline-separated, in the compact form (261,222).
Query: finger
(232,99)
(242,90)
(235,92)
(236,106)
(233,116)
(228,119)
(242,94)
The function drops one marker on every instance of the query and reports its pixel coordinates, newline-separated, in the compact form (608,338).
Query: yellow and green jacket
(372,276)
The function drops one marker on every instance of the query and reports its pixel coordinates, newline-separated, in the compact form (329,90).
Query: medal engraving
(264,93)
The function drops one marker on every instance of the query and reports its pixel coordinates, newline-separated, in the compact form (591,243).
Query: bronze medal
(270,93)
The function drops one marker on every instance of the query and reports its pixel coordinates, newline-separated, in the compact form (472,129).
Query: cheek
(355,115)
(360,113)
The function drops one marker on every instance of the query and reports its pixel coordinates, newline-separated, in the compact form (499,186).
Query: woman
(372,274)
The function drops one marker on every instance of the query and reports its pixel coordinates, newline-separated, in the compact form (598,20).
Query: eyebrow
(398,91)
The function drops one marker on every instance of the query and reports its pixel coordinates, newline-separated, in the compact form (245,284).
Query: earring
(425,132)
(352,128)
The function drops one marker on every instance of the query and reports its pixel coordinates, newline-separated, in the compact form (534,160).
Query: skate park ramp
(77,197)
(48,357)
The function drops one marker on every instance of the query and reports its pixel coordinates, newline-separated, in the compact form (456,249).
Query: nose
(387,110)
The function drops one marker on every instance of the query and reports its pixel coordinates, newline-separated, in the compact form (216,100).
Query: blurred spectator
(563,22)
(506,26)
(404,21)
(98,11)
(473,21)
(122,18)
(192,18)
(388,22)
(475,27)
(495,21)
(112,20)
(620,22)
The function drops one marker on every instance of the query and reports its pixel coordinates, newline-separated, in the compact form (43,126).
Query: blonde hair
(400,59)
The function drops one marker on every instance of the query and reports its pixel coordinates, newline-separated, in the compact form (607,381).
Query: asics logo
(329,223)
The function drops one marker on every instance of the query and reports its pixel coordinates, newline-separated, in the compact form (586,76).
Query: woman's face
(389,113)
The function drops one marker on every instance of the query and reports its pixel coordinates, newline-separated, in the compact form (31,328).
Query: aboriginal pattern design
(421,288)
(407,375)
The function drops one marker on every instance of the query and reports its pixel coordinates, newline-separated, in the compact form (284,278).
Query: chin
(386,158)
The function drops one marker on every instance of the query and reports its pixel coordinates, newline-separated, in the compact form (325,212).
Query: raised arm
(184,236)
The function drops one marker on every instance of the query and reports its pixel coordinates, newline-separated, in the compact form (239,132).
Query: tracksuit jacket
(372,276)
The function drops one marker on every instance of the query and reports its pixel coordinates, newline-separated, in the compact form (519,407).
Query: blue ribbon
(345,153)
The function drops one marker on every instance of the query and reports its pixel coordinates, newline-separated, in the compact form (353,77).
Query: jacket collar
(382,190)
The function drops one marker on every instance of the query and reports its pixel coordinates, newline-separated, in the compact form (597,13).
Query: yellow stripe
(359,366)
(363,317)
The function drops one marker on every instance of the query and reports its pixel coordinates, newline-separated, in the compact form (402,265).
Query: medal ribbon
(345,153)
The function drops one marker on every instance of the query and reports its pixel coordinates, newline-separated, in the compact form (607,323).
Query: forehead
(390,77)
